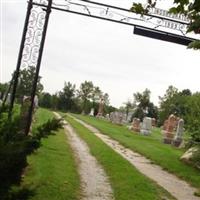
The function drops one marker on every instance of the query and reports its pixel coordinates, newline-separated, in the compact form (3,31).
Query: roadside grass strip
(167,156)
(41,116)
(127,183)
(51,173)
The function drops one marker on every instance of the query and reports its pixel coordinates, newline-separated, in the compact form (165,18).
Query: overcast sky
(109,54)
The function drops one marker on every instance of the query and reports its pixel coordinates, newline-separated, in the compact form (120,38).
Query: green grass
(152,147)
(41,116)
(126,181)
(51,173)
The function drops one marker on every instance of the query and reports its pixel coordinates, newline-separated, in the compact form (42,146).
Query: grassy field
(126,181)
(51,173)
(166,156)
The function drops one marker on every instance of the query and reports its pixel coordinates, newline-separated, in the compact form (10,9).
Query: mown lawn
(126,181)
(166,156)
(51,173)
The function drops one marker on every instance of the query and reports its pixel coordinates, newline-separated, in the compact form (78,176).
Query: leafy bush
(46,129)
(14,148)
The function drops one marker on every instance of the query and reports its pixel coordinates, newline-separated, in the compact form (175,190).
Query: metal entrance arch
(36,23)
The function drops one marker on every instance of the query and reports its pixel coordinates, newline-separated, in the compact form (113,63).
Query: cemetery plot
(152,147)
(126,181)
(168,181)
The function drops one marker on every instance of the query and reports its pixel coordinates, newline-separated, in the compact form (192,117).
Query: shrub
(14,148)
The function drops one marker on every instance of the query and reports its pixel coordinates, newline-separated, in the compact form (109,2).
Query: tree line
(183,104)
(81,100)
(69,99)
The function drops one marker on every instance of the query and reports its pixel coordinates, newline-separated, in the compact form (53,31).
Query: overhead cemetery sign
(157,24)
(165,13)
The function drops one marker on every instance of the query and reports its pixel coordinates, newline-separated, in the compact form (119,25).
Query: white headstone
(8,99)
(108,117)
(116,117)
(36,101)
(179,133)
(92,112)
(146,126)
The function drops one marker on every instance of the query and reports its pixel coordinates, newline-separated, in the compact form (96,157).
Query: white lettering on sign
(165,13)
(173,25)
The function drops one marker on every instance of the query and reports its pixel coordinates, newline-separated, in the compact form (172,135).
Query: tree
(173,102)
(96,95)
(128,106)
(186,92)
(45,100)
(54,101)
(152,111)
(142,100)
(189,8)
(143,106)
(85,93)
(26,79)
(192,118)
(106,99)
(66,96)
(3,89)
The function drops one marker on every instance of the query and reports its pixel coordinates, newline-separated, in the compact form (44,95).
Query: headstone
(111,116)
(189,154)
(116,117)
(179,133)
(101,106)
(146,126)
(24,112)
(108,117)
(164,127)
(169,132)
(124,118)
(92,112)
(129,116)
(36,102)
(176,123)
(1,102)
(136,125)
(8,99)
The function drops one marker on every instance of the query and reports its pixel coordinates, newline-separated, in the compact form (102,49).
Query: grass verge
(51,173)
(166,156)
(126,181)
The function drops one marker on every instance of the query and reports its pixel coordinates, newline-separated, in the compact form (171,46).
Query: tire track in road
(175,186)
(94,181)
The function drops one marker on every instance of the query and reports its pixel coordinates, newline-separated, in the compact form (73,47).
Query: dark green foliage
(185,105)
(143,105)
(45,100)
(14,148)
(18,193)
(192,118)
(3,89)
(46,129)
(174,102)
(25,84)
(69,99)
